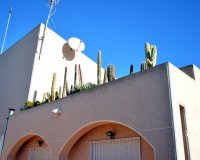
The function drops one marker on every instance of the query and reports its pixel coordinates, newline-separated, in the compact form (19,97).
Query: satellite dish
(76,44)
(68,52)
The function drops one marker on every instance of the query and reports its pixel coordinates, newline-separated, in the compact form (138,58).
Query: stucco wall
(186,92)
(15,71)
(26,77)
(140,102)
(81,147)
(52,61)
(23,152)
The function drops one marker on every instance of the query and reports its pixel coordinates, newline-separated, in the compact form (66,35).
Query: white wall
(15,74)
(186,92)
(52,61)
(22,74)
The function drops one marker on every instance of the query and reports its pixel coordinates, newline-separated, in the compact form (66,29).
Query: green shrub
(37,103)
(82,87)
(28,104)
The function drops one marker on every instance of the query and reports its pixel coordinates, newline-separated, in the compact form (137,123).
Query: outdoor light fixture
(40,142)
(10,113)
(57,111)
(110,134)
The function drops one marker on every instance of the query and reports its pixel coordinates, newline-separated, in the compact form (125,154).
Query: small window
(184,133)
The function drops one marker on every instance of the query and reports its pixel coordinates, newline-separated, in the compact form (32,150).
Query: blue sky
(119,28)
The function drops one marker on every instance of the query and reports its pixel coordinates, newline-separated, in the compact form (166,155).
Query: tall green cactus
(60,92)
(56,95)
(44,98)
(151,55)
(48,95)
(143,66)
(75,75)
(53,87)
(71,89)
(131,69)
(105,79)
(99,81)
(111,72)
(80,74)
(65,86)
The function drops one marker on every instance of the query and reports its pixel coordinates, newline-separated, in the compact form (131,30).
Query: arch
(22,141)
(76,136)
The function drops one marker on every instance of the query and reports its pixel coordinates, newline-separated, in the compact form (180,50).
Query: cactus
(143,66)
(48,95)
(111,72)
(71,89)
(99,68)
(53,97)
(60,92)
(151,55)
(131,69)
(65,85)
(80,75)
(44,98)
(105,79)
(56,95)
(82,87)
(75,76)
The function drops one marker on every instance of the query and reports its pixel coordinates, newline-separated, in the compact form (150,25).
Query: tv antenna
(53,4)
(5,35)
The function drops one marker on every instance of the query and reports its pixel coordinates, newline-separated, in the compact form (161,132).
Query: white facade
(52,61)
(143,109)
(25,76)
(185,89)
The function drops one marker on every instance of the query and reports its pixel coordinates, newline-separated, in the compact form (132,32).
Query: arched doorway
(95,141)
(30,147)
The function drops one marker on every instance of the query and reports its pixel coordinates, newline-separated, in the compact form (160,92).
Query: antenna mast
(10,13)
(52,3)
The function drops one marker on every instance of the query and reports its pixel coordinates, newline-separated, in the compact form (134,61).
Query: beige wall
(186,92)
(15,69)
(140,102)
(81,147)
(26,77)
(23,152)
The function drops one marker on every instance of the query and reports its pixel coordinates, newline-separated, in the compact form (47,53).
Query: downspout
(171,107)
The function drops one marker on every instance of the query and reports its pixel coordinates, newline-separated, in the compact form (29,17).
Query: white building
(26,74)
(149,115)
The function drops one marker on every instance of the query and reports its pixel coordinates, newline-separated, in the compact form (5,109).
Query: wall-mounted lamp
(39,142)
(110,134)
(57,111)
(10,113)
